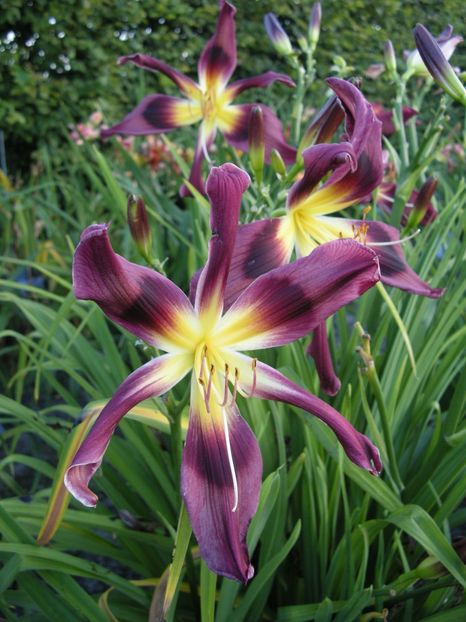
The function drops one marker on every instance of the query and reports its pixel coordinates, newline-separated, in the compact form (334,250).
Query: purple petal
(208,490)
(254,82)
(185,84)
(144,302)
(318,161)
(270,384)
(218,59)
(225,187)
(156,113)
(364,131)
(393,267)
(320,352)
(150,380)
(324,124)
(259,248)
(287,303)
(235,129)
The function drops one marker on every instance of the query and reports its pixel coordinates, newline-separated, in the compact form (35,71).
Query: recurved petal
(393,267)
(288,302)
(157,113)
(185,84)
(150,380)
(320,352)
(270,384)
(142,301)
(218,59)
(225,187)
(234,123)
(261,81)
(319,160)
(220,481)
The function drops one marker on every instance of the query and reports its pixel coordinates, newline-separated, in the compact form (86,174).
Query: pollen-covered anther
(360,232)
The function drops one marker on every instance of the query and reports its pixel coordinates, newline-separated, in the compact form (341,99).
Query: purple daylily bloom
(209,101)
(221,467)
(446,43)
(356,169)
(435,56)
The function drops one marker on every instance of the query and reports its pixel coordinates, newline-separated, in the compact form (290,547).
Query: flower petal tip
(76,487)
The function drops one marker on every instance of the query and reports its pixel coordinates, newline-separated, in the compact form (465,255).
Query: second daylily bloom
(356,168)
(221,467)
(446,42)
(209,101)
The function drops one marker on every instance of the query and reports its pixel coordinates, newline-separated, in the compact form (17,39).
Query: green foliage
(58,59)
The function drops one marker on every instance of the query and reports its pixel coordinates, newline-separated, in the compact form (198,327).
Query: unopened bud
(437,64)
(277,35)
(277,163)
(324,124)
(389,58)
(314,25)
(256,139)
(431,567)
(139,227)
(422,203)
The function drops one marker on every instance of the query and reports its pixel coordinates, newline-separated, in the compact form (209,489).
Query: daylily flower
(436,62)
(221,466)
(357,167)
(447,44)
(209,101)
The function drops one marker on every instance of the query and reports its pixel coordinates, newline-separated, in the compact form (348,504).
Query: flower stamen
(235,387)
(225,388)
(395,242)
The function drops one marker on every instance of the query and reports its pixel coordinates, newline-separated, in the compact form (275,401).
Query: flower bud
(139,227)
(389,58)
(314,25)
(437,64)
(277,163)
(422,204)
(256,139)
(277,35)
(324,124)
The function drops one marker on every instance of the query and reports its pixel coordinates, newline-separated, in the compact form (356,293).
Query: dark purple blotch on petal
(208,491)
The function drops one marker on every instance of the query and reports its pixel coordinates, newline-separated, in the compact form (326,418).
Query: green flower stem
(400,95)
(376,387)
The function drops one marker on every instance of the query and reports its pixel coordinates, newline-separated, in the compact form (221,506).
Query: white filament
(394,242)
(230,460)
